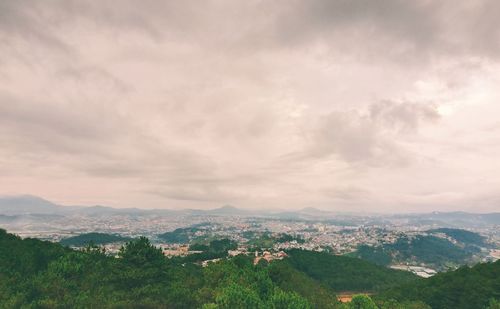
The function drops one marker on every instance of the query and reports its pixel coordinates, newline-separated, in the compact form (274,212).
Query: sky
(342,105)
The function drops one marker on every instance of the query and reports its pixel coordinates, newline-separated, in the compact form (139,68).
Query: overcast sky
(348,105)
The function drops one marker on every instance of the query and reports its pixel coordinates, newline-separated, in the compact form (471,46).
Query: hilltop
(93,238)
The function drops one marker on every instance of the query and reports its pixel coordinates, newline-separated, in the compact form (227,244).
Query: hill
(179,235)
(341,273)
(94,238)
(463,236)
(436,252)
(465,288)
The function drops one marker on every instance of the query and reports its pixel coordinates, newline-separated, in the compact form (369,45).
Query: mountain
(23,205)
(29,204)
(314,211)
(452,219)
(228,210)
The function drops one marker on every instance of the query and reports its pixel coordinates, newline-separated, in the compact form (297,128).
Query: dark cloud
(395,28)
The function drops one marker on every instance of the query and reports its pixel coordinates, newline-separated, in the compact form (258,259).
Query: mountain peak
(311,210)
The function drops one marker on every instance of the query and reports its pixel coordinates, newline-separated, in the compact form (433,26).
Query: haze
(370,106)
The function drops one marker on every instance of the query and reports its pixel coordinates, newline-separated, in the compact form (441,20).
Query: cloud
(257,103)
(370,136)
(389,28)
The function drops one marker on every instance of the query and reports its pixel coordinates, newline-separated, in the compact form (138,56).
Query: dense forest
(467,287)
(93,238)
(342,273)
(40,274)
(463,236)
(437,252)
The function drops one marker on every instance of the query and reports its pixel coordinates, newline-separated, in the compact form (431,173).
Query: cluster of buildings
(337,237)
(176,250)
(268,256)
(420,271)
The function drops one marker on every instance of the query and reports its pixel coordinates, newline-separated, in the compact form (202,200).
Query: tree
(287,300)
(362,302)
(237,296)
(141,252)
(494,304)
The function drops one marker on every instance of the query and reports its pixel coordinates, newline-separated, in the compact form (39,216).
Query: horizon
(273,210)
(344,106)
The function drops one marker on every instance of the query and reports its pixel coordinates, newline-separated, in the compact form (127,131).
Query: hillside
(463,236)
(341,273)
(465,288)
(94,238)
(436,252)
(180,235)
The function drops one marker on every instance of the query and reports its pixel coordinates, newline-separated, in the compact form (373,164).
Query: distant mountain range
(29,205)
(12,207)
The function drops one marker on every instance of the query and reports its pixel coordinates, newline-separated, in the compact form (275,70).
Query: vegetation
(93,238)
(216,249)
(40,274)
(377,255)
(463,236)
(431,250)
(178,236)
(463,288)
(342,273)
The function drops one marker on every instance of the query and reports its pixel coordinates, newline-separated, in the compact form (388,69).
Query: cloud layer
(342,105)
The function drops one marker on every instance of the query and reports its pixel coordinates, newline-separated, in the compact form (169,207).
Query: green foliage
(343,273)
(361,302)
(289,279)
(460,289)
(179,236)
(287,300)
(93,238)
(39,274)
(431,250)
(376,255)
(214,250)
(237,296)
(493,304)
(463,236)
(393,304)
(141,252)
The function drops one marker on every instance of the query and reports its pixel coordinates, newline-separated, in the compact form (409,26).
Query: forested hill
(437,252)
(463,236)
(465,288)
(93,238)
(342,273)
